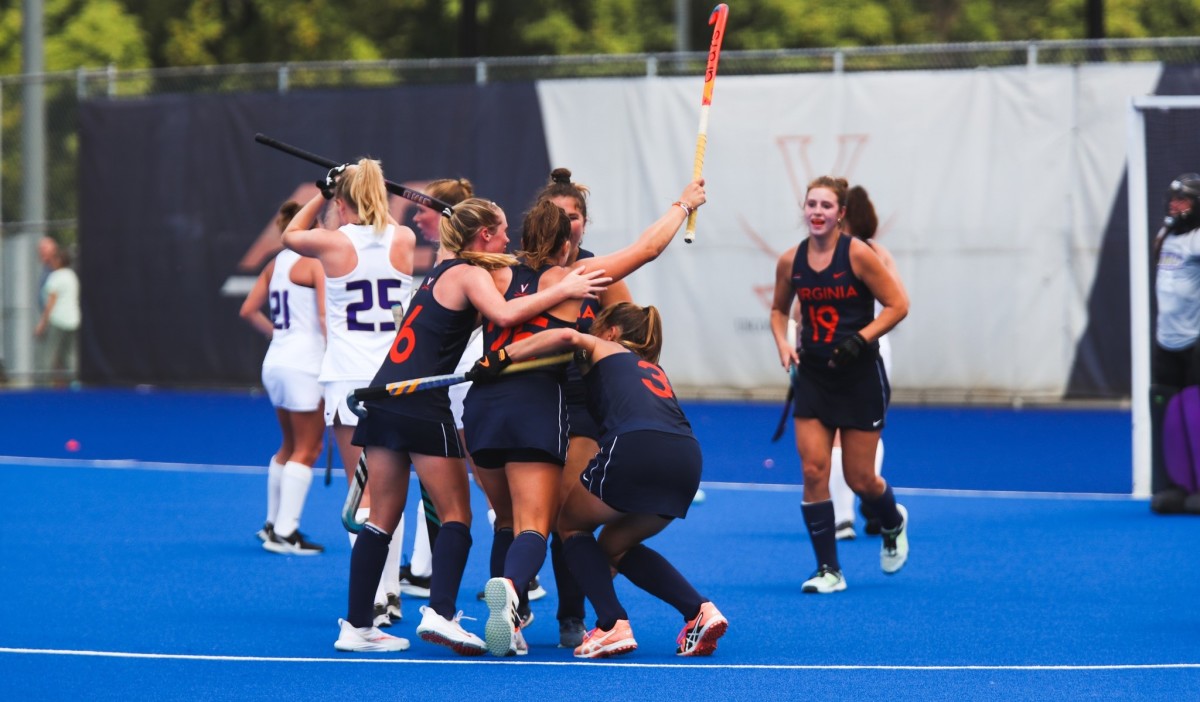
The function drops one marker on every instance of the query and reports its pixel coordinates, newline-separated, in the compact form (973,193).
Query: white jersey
(298,340)
(1178,291)
(358,307)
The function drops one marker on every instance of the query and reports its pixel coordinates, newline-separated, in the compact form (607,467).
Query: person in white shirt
(57,329)
(293,288)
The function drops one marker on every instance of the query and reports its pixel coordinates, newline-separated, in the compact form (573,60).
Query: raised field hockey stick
(718,17)
(394,188)
(787,404)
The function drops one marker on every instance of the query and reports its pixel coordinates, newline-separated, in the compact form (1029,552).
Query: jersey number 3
(657,383)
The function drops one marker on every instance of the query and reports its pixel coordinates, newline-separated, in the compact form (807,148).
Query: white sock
(360,515)
(274,474)
(839,490)
(293,491)
(389,580)
(422,558)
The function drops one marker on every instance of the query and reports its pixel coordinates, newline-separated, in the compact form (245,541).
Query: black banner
(176,197)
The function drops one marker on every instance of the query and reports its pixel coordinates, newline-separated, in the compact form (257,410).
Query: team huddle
(587,458)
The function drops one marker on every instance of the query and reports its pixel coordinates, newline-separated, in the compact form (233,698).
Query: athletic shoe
(536,591)
(413,585)
(503,623)
(524,615)
(570,632)
(381,617)
(393,608)
(435,628)
(295,544)
(844,531)
(894,552)
(599,643)
(351,638)
(521,648)
(264,535)
(699,636)
(825,581)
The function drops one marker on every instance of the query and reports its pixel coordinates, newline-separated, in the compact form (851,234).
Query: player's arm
(253,304)
(480,289)
(781,305)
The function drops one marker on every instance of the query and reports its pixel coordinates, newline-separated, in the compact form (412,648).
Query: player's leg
(858,451)
(814,442)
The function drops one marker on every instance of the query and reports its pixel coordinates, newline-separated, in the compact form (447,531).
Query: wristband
(687,211)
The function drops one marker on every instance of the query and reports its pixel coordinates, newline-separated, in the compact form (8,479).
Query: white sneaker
(536,591)
(503,624)
(894,551)
(395,613)
(825,581)
(381,617)
(844,531)
(435,628)
(351,638)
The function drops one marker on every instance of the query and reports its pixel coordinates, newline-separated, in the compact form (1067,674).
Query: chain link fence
(64,91)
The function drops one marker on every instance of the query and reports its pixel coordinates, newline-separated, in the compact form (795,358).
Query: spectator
(57,329)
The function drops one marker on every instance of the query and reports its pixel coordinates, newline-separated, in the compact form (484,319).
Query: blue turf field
(131,571)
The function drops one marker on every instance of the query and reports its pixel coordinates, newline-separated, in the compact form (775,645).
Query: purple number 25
(369,300)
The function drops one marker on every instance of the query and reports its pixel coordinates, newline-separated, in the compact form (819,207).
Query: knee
(865,483)
(815,473)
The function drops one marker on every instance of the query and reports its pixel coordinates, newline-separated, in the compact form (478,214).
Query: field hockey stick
(354,496)
(394,188)
(406,387)
(787,404)
(718,17)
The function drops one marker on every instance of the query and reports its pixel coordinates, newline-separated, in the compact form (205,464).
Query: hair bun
(562,176)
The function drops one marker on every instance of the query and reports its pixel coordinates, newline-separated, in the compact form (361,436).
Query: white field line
(611,664)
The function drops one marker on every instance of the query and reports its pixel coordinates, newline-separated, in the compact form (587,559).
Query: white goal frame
(1140,324)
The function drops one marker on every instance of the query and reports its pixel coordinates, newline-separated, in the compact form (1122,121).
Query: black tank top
(834,303)
(626,393)
(430,341)
(525,281)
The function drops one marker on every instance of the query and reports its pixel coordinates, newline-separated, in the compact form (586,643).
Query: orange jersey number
(823,318)
(657,383)
(406,338)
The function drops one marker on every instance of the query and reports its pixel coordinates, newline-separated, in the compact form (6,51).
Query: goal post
(1151,166)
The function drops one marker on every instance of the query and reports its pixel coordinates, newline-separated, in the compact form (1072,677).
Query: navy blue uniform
(649,461)
(520,417)
(581,422)
(429,342)
(835,304)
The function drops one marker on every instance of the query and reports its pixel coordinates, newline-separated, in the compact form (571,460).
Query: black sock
(884,508)
(525,559)
(590,567)
(647,569)
(366,566)
(449,560)
(819,518)
(570,597)
(502,540)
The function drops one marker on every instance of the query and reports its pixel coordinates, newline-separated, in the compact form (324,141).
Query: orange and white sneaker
(503,630)
(599,643)
(699,636)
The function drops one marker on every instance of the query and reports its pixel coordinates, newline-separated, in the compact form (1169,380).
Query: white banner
(993,189)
